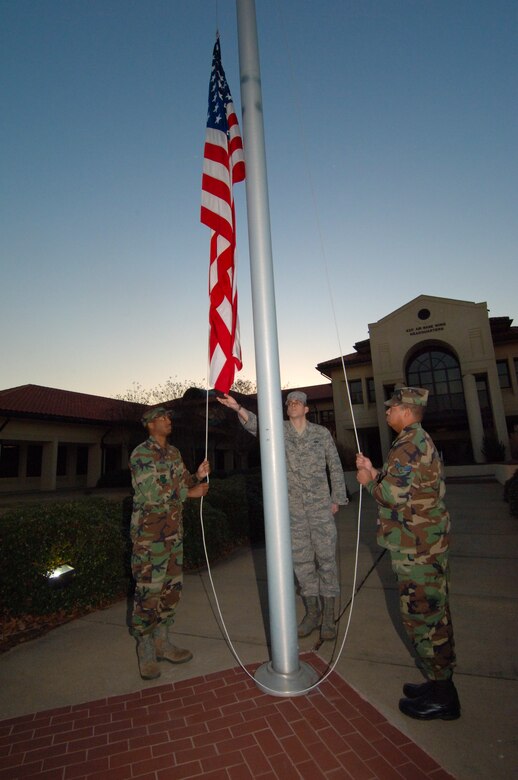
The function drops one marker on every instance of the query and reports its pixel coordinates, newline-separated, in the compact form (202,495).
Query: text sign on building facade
(422,330)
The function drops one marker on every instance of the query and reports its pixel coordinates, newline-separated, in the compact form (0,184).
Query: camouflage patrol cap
(416,396)
(152,414)
(297,395)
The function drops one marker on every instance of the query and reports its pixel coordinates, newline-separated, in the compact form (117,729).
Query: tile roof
(352,359)
(313,392)
(502,332)
(49,402)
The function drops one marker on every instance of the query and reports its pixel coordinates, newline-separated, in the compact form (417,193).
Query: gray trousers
(313,544)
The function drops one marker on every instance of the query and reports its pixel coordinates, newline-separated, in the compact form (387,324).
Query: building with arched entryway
(465,358)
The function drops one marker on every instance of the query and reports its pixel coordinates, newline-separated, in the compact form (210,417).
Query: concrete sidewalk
(94,657)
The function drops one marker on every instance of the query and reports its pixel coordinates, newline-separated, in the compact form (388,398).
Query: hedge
(34,540)
(92,535)
(511,494)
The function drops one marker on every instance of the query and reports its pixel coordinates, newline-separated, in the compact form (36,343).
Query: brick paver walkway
(219,727)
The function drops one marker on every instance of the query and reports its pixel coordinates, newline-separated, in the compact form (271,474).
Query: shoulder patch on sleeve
(400,469)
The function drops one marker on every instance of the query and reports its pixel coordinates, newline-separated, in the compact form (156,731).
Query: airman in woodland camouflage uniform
(161,484)
(310,449)
(414,526)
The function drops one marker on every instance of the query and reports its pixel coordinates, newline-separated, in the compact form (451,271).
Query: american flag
(223,166)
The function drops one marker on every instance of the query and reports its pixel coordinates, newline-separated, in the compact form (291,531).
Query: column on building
(49,465)
(476,427)
(497,408)
(71,464)
(94,464)
(386,433)
(22,462)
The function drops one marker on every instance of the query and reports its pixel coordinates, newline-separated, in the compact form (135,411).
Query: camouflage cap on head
(416,396)
(152,414)
(297,395)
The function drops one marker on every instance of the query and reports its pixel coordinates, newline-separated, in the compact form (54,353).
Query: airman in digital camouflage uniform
(161,484)
(309,450)
(414,526)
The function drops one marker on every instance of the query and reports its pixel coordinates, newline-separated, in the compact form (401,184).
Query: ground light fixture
(60,570)
(61,575)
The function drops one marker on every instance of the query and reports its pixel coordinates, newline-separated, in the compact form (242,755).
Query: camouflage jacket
(409,491)
(159,478)
(307,456)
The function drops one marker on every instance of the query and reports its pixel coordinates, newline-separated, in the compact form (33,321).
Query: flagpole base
(293,684)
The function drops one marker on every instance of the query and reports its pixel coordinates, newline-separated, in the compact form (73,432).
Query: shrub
(218,535)
(121,478)
(229,496)
(255,507)
(218,538)
(493,449)
(511,493)
(92,535)
(232,514)
(88,535)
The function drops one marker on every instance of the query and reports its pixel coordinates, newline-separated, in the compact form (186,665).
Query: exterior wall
(364,414)
(322,412)
(52,435)
(509,352)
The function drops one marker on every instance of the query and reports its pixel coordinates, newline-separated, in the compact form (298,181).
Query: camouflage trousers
(313,547)
(424,606)
(157,566)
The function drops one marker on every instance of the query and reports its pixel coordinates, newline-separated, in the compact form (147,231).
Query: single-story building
(51,438)
(56,439)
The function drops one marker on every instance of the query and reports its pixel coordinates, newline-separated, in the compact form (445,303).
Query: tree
(244,386)
(173,388)
(176,388)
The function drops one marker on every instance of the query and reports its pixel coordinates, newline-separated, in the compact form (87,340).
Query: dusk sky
(391,131)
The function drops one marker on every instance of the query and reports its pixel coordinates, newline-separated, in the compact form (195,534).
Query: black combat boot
(413,690)
(440,701)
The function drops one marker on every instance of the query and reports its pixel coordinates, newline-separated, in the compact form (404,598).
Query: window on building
(371,391)
(504,378)
(327,416)
(9,460)
(388,391)
(355,389)
(34,459)
(439,372)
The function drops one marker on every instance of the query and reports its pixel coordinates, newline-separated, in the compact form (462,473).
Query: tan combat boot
(328,630)
(311,619)
(165,649)
(149,669)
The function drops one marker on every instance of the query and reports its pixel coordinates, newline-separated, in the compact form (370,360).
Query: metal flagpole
(284,675)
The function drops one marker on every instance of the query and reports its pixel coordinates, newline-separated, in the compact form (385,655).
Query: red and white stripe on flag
(223,166)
